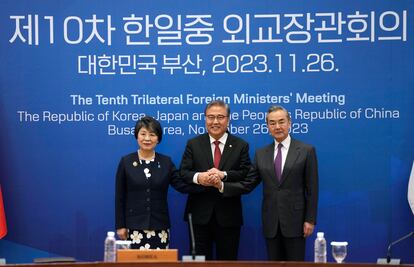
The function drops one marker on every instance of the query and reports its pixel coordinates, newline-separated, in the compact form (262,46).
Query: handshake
(212,177)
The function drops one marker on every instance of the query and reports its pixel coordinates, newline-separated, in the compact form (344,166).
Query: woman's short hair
(151,124)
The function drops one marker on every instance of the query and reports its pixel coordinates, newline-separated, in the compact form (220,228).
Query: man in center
(214,160)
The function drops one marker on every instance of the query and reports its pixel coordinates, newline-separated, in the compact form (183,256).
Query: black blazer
(235,161)
(141,203)
(291,202)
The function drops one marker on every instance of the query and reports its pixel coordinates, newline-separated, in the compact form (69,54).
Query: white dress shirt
(284,149)
(222,140)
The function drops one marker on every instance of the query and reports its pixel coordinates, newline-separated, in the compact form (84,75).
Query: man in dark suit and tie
(213,161)
(289,171)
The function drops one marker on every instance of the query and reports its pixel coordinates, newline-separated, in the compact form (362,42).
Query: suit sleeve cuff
(221,190)
(195,178)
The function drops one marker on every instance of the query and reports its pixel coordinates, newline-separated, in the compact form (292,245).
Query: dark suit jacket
(292,201)
(141,203)
(235,161)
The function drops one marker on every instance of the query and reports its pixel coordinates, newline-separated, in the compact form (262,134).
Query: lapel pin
(230,146)
(134,164)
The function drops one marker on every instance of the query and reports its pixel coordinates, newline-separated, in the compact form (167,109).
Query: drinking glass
(339,251)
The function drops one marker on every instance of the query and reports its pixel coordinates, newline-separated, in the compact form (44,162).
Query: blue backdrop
(76,75)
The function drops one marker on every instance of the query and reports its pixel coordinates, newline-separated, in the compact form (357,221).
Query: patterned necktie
(278,162)
(217,154)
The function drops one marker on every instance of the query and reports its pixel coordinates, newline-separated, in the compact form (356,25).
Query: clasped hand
(212,177)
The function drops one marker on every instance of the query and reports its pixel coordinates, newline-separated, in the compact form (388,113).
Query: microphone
(396,242)
(194,256)
(193,248)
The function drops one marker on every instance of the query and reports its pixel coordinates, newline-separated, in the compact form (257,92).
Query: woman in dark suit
(142,180)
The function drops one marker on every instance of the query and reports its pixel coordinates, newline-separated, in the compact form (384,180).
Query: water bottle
(320,248)
(110,247)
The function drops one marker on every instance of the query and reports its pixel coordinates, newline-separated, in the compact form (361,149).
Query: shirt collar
(222,139)
(285,143)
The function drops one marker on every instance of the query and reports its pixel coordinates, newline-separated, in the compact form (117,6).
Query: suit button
(148,199)
(148,208)
(148,190)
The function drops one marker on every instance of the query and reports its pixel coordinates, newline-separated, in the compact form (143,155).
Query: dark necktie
(217,154)
(278,162)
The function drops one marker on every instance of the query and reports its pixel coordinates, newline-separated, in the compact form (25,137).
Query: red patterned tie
(217,154)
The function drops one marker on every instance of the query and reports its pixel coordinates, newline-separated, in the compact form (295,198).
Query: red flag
(3,225)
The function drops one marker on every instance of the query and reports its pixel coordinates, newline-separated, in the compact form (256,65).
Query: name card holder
(148,255)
